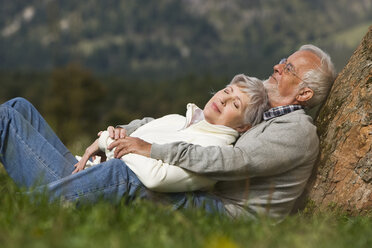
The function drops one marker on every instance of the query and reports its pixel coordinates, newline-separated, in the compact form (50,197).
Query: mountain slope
(166,38)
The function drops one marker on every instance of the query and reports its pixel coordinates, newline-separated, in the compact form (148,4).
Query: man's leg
(196,200)
(30,114)
(28,157)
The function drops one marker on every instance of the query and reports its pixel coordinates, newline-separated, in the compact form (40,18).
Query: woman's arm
(92,150)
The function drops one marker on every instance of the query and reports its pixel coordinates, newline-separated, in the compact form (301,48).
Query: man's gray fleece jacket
(263,174)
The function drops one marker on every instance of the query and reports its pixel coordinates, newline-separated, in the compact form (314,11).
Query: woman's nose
(225,99)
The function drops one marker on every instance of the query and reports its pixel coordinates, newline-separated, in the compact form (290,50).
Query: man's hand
(116,133)
(130,145)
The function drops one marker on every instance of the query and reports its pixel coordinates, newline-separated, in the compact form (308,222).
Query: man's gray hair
(320,80)
(258,99)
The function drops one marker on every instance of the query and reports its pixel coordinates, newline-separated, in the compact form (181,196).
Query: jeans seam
(134,182)
(32,152)
(75,196)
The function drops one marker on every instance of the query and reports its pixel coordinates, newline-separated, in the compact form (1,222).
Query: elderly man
(267,169)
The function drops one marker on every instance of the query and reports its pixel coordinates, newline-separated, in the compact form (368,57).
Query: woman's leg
(29,157)
(30,114)
(33,155)
(110,181)
(113,180)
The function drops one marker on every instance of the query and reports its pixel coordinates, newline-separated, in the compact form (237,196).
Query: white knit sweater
(162,177)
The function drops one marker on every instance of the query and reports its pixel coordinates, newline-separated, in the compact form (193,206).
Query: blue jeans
(34,156)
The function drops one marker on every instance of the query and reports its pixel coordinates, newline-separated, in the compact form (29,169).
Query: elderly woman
(230,111)
(33,155)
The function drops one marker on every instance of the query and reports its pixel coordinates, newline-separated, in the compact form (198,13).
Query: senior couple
(242,155)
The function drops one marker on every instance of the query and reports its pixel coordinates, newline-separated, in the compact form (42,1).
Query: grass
(144,224)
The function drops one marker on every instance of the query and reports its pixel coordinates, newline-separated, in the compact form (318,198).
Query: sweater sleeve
(133,125)
(279,147)
(155,174)
(103,142)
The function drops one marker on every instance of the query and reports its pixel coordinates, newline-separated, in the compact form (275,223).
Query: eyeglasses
(288,68)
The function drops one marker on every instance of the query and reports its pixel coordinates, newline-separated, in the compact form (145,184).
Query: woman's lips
(215,107)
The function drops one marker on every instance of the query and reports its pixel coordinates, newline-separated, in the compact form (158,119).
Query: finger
(110,129)
(79,168)
(121,153)
(78,164)
(99,133)
(118,149)
(123,133)
(121,149)
(117,133)
(114,144)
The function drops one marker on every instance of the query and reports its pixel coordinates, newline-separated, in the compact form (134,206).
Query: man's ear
(305,94)
(243,128)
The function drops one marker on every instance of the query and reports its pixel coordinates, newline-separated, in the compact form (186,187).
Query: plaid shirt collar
(281,110)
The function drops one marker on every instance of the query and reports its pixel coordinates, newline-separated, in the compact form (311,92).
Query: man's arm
(155,174)
(280,146)
(162,177)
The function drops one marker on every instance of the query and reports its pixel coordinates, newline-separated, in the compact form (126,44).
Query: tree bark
(344,173)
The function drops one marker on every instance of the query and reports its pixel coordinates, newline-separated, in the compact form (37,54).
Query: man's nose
(278,68)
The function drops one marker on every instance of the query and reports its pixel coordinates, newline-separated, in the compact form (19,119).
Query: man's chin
(272,90)
(269,84)
(270,80)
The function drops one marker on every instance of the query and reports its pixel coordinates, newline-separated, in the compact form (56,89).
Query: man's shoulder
(296,123)
(293,117)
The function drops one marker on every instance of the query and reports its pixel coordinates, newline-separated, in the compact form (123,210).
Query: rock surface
(344,173)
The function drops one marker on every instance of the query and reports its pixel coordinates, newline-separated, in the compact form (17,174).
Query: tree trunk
(344,173)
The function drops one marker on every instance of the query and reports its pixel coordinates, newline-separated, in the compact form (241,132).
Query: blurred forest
(78,104)
(86,65)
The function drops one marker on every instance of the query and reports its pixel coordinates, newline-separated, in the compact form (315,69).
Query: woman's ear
(243,128)
(305,94)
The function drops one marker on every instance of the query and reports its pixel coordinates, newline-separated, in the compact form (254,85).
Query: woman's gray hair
(320,80)
(258,99)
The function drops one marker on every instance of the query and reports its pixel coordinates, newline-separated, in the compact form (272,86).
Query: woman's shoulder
(171,117)
(167,122)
